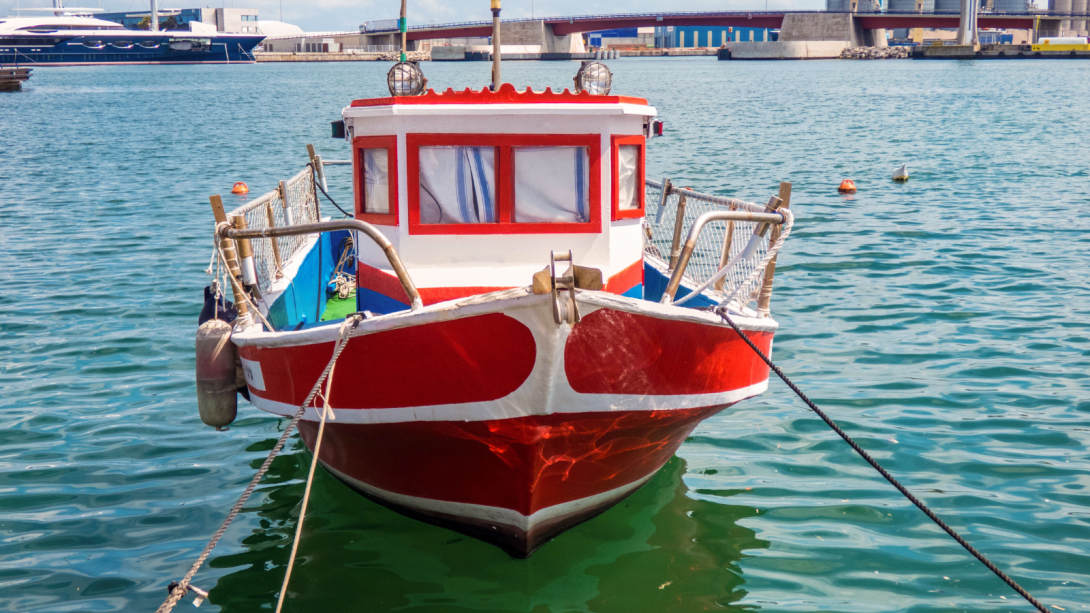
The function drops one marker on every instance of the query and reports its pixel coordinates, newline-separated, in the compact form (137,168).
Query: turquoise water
(945,323)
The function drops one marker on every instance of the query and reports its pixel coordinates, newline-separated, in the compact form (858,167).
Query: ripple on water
(943,322)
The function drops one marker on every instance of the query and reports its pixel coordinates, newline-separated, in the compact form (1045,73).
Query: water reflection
(659,550)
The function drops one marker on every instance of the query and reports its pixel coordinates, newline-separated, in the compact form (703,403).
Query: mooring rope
(893,481)
(180,590)
(327,411)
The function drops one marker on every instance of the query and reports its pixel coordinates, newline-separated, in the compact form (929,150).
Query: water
(945,323)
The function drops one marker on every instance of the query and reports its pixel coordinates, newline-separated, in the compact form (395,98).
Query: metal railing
(292,203)
(674,213)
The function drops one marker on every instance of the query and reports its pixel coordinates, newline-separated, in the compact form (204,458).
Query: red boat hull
(501,424)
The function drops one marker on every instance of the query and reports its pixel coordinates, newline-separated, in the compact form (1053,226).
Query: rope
(234,281)
(326,194)
(326,411)
(900,488)
(180,590)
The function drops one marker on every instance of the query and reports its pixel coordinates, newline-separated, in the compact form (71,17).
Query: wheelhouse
(476,188)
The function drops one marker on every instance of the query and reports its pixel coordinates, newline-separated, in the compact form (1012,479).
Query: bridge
(803,34)
(563,26)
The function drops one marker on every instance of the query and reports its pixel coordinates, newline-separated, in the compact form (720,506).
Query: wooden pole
(765,297)
(496,78)
(273,241)
(246,257)
(725,258)
(319,169)
(403,25)
(679,223)
(228,247)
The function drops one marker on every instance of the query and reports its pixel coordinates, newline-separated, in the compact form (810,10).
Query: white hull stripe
(496,515)
(505,408)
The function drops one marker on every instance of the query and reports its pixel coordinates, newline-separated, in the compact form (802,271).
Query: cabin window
(376,180)
(457,185)
(551,185)
(375,166)
(628,176)
(504,183)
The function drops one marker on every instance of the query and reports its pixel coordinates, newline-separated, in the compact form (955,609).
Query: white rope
(183,585)
(327,411)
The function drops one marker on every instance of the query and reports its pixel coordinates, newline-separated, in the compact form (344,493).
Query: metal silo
(1078,7)
(1061,7)
(840,6)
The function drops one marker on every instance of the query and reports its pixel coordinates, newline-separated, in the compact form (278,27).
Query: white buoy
(901,174)
(217,374)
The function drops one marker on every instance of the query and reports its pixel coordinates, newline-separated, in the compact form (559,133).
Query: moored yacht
(66,40)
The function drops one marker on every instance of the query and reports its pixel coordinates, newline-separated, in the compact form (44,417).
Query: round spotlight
(406,79)
(593,78)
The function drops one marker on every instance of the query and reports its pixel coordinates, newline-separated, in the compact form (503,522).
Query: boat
(72,40)
(536,326)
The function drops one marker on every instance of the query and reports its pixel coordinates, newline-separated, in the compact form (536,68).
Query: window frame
(389,143)
(641,185)
(505,182)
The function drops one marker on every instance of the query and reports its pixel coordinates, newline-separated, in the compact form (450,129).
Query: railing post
(724,259)
(228,247)
(765,297)
(246,256)
(289,218)
(679,223)
(273,241)
(319,169)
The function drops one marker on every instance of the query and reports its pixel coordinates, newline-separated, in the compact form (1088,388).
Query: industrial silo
(1078,25)
(1061,7)
(841,6)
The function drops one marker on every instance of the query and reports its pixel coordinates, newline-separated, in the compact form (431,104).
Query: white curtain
(376,181)
(551,184)
(457,185)
(628,157)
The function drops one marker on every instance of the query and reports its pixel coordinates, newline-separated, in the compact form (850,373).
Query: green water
(945,323)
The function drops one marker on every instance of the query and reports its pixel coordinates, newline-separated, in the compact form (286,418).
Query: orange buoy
(847,186)
(240,188)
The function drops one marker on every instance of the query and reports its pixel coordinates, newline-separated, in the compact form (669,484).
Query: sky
(345,15)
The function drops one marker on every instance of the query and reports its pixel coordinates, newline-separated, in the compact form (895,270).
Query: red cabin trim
(507,94)
(375,142)
(505,183)
(615,149)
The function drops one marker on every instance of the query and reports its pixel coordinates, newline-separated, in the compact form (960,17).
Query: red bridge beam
(466,32)
(743,20)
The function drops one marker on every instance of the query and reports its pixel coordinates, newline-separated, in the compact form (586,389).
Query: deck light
(406,79)
(593,78)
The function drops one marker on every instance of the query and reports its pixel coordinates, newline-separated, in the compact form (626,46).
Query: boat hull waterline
(487,417)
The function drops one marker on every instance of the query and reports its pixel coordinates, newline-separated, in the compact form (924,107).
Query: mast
(496,79)
(404,27)
(153,23)
(58,5)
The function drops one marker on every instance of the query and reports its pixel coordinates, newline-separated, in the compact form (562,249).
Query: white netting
(708,255)
(301,207)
